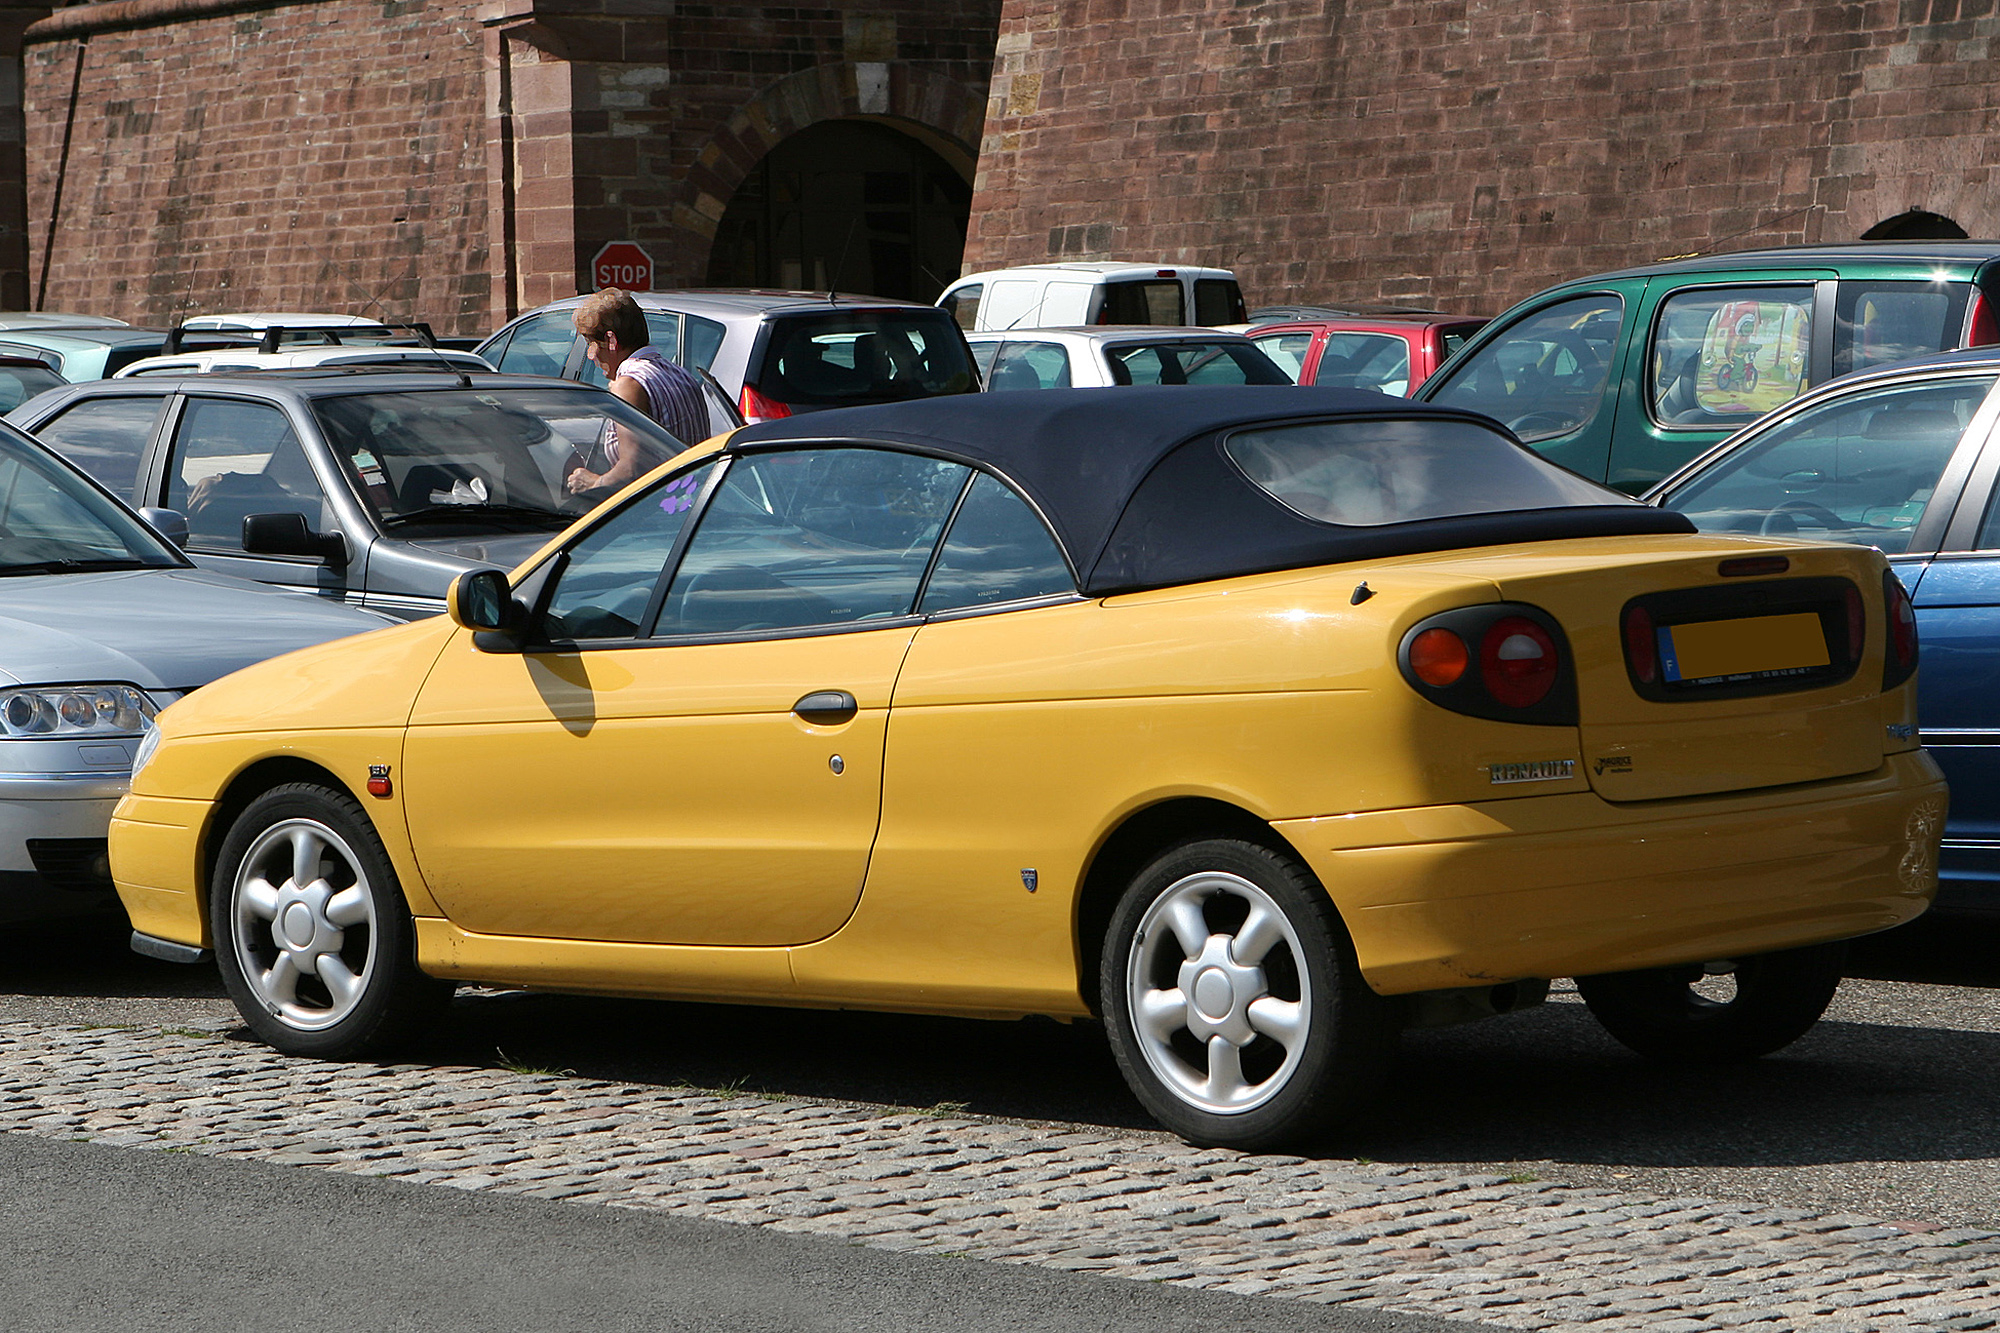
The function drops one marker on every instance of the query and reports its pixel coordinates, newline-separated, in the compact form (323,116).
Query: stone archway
(851,205)
(1917,224)
(938,113)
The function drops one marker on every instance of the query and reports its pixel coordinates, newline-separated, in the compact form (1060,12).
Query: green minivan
(1626,376)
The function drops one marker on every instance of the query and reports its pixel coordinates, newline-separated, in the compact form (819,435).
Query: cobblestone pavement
(1510,1252)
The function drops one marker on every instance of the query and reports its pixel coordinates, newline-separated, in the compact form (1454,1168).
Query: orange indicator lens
(1438,657)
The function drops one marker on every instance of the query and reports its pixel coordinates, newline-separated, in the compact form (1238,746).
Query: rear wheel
(1717,1013)
(1233,1002)
(313,938)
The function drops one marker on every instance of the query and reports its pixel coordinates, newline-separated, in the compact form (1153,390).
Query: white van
(1047,296)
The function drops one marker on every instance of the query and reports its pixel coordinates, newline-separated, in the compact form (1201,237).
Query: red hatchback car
(1387,353)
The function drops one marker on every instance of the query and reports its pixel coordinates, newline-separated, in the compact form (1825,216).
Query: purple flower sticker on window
(678,498)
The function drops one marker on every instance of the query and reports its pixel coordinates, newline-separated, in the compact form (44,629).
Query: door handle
(827,708)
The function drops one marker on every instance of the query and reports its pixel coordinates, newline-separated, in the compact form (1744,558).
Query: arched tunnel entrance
(853,205)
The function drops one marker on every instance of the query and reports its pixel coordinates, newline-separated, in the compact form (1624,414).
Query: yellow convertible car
(1258,722)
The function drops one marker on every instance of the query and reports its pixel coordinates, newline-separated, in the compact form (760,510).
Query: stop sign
(622,264)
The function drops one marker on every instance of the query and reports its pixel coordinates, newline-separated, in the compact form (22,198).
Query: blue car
(1904,458)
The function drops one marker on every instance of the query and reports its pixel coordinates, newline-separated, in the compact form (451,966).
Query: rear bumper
(1570,885)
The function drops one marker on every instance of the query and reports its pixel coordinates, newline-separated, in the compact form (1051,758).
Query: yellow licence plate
(1755,647)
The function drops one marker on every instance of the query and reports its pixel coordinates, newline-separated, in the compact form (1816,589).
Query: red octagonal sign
(622,264)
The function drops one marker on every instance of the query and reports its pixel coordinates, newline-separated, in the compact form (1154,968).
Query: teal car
(83,353)
(1627,376)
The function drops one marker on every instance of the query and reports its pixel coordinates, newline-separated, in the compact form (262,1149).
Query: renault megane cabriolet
(1258,722)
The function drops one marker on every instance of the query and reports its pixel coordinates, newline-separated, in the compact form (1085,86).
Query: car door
(1717,353)
(689,748)
(1957,597)
(1551,373)
(108,437)
(230,457)
(541,344)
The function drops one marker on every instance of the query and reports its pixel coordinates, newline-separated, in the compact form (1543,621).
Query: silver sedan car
(102,624)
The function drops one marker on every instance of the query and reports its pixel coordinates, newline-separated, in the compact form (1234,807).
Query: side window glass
(540,345)
(1544,377)
(105,437)
(1879,322)
(1142,365)
(998,551)
(609,577)
(813,537)
(983,353)
(1030,366)
(701,339)
(963,305)
(233,459)
(1859,469)
(663,330)
(1288,350)
(1377,361)
(1723,358)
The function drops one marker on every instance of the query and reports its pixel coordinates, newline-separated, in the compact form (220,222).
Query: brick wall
(670,127)
(297,156)
(1466,153)
(459,160)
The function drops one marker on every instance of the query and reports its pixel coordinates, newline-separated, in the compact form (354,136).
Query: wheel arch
(1138,838)
(253,781)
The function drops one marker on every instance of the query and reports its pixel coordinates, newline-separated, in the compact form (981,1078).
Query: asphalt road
(114,1239)
(1886,1108)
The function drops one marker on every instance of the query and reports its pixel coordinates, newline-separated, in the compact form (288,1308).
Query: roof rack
(273,335)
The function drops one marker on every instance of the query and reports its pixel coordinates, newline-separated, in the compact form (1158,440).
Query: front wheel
(1233,1001)
(1717,1013)
(313,938)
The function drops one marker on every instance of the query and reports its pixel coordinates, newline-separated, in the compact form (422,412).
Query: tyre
(1233,1001)
(1717,1014)
(312,936)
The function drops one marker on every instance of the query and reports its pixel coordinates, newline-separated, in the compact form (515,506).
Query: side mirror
(287,534)
(481,601)
(169,523)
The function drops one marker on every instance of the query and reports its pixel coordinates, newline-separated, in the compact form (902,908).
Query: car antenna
(423,331)
(832,291)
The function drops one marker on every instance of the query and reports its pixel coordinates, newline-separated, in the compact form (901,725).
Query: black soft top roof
(1141,495)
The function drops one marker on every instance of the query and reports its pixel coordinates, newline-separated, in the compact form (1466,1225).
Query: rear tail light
(1525,673)
(1642,650)
(1983,328)
(1857,623)
(755,407)
(1518,661)
(1900,661)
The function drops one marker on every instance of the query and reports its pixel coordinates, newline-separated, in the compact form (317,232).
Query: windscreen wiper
(77,566)
(432,513)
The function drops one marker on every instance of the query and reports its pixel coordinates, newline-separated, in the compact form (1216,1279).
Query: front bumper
(69,810)
(1571,884)
(156,860)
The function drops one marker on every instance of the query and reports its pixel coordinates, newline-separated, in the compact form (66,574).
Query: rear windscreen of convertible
(1367,473)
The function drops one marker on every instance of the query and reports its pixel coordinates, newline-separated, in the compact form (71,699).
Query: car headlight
(76,711)
(146,749)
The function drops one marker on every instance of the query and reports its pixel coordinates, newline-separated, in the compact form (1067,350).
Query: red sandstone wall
(1466,153)
(306,156)
(665,134)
